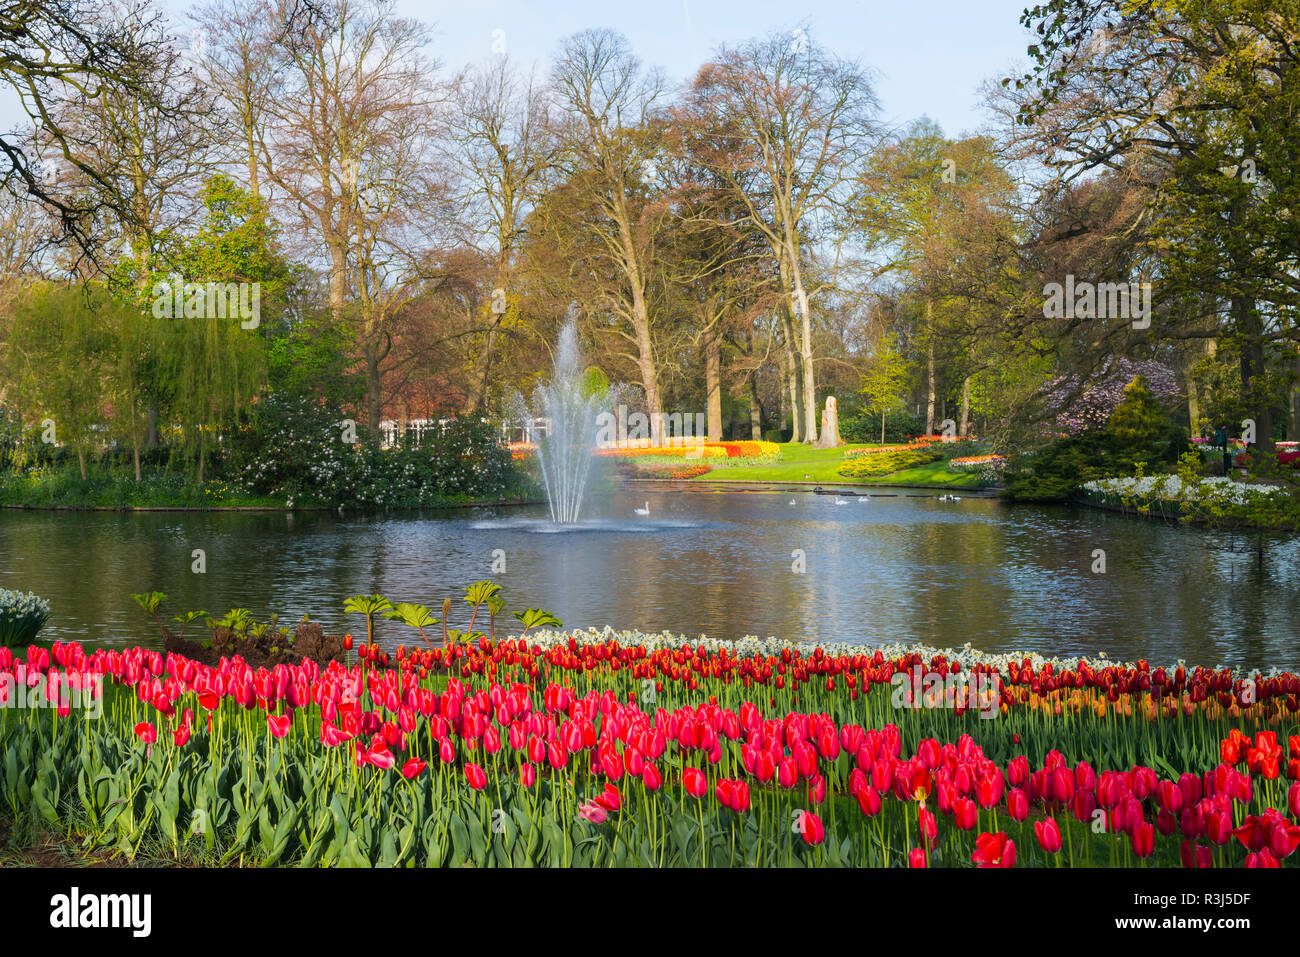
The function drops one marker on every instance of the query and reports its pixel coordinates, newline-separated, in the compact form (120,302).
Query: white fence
(392,433)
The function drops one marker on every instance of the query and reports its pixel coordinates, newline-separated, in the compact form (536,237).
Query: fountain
(566,451)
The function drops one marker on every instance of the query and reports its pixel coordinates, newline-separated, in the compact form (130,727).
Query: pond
(901,565)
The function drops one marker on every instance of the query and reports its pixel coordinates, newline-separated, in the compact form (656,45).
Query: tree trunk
(374,392)
(1293,427)
(338,279)
(794,380)
(929,371)
(806,361)
(81,460)
(135,443)
(755,409)
(1253,370)
(713,380)
(965,406)
(483,370)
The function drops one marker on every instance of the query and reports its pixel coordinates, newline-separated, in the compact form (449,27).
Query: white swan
(644,511)
(840,501)
(791,501)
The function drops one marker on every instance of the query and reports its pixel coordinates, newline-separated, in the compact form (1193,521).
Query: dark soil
(308,641)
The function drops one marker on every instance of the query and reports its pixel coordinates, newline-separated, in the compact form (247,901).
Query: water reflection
(900,568)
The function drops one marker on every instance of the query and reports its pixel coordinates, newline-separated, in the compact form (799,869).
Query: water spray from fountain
(565,453)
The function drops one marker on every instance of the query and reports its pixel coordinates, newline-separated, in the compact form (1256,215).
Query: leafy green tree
(886,380)
(63,346)
(210,366)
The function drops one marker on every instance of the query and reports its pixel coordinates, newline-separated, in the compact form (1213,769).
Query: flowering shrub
(1076,405)
(1216,499)
(296,449)
(1217,489)
(891,461)
(22,615)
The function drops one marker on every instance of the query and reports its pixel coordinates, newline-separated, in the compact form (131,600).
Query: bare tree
(149,144)
(792,121)
(350,144)
(608,134)
(503,151)
(235,43)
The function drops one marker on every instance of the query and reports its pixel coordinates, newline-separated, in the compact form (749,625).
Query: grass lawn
(799,463)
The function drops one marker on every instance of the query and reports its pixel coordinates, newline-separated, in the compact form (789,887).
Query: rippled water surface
(898,567)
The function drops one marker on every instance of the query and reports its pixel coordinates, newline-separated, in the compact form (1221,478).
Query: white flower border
(751,645)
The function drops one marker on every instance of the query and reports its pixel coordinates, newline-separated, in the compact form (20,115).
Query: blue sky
(929,56)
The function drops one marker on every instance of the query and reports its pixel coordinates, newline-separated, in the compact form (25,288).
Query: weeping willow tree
(62,354)
(212,369)
(210,314)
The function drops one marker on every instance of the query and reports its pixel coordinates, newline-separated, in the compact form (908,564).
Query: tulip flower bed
(714,453)
(605,748)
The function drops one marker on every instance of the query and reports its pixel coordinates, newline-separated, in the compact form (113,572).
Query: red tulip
(610,799)
(146,732)
(722,791)
(916,858)
(988,791)
(868,800)
(1061,788)
(927,825)
(651,778)
(181,735)
(1143,839)
(1171,796)
(593,813)
(1048,833)
(1017,804)
(1283,839)
(1218,827)
(556,755)
(1262,859)
(378,757)
(965,813)
(476,777)
(810,826)
(787,774)
(920,784)
(740,797)
(279,724)
(695,783)
(817,789)
(413,767)
(882,775)
(994,850)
